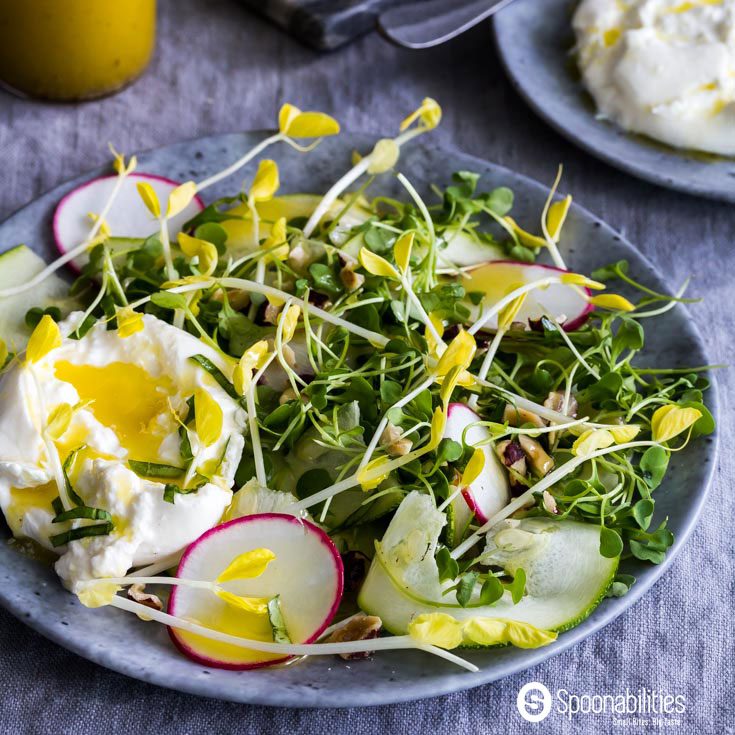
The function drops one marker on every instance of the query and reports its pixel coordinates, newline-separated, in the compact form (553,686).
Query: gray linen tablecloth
(218,68)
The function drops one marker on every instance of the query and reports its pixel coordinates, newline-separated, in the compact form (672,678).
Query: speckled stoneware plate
(534,44)
(143,650)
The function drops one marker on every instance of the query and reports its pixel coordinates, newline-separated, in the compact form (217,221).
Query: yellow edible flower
(45,337)
(670,421)
(297,124)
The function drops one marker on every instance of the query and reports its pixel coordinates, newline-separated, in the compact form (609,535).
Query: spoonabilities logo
(534,702)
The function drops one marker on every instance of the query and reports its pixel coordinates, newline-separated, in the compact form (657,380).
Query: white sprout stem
(487,362)
(384,421)
(408,186)
(252,153)
(355,479)
(540,486)
(129,580)
(245,285)
(492,311)
(73,253)
(594,373)
(167,562)
(347,180)
(333,194)
(550,242)
(667,307)
(288,649)
(260,473)
(422,312)
(449,500)
(166,242)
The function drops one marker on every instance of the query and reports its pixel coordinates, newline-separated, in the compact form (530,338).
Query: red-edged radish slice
(127,218)
(496,278)
(491,490)
(306,574)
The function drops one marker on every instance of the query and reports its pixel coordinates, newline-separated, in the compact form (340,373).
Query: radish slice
(491,490)
(306,574)
(496,278)
(128,217)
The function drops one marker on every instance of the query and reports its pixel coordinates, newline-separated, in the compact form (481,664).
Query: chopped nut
(541,463)
(360,628)
(271,313)
(351,280)
(394,443)
(512,456)
(238,300)
(555,402)
(288,395)
(514,416)
(137,593)
(550,503)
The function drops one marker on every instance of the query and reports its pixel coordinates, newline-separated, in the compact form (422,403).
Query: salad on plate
(286,425)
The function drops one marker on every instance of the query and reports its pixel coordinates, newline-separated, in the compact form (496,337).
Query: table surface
(219,68)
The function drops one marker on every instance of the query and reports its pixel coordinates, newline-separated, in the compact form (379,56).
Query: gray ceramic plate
(143,650)
(534,46)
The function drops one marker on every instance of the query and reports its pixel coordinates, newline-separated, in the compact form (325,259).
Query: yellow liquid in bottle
(74,49)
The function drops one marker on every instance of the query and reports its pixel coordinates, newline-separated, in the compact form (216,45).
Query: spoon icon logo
(534,701)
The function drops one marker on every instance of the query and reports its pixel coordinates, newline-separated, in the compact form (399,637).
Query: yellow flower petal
(46,337)
(429,115)
(252,359)
(180,198)
(670,421)
(525,635)
(249,565)
(474,467)
(297,124)
(208,417)
(119,162)
(577,279)
(438,424)
(591,441)
(370,476)
(623,434)
(612,301)
(376,265)
(526,238)
(402,250)
(460,352)
(287,114)
(557,216)
(3,353)
(384,156)
(485,631)
(431,342)
(254,605)
(150,198)
(509,313)
(290,321)
(436,629)
(494,631)
(97,595)
(266,181)
(129,322)
(59,420)
(205,251)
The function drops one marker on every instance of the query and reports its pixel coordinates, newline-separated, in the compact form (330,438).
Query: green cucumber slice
(566,577)
(17,265)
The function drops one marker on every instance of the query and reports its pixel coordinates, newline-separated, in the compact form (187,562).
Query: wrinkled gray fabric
(219,68)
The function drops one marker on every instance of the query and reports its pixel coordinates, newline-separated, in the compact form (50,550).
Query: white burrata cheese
(147,374)
(663,68)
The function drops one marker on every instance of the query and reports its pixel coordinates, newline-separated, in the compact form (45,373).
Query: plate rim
(420,688)
(626,165)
